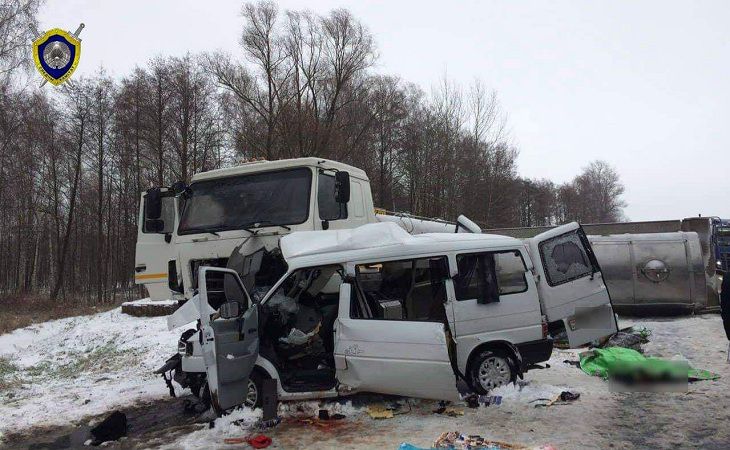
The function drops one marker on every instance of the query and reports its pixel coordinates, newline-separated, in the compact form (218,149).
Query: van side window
(565,258)
(401,290)
(167,216)
(486,276)
(329,209)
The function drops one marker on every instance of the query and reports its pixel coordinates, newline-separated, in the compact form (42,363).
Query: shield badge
(56,54)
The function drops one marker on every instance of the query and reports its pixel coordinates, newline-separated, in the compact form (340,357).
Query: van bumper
(534,352)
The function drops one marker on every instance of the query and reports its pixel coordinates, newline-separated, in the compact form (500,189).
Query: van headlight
(185,348)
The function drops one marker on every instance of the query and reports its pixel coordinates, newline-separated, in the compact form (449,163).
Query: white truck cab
(234,218)
(377,309)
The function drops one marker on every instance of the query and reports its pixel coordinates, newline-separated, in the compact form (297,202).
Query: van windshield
(270,198)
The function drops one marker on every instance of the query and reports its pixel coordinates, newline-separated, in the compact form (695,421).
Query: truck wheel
(490,369)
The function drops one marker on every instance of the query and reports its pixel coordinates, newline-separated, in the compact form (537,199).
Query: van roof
(380,240)
(265,166)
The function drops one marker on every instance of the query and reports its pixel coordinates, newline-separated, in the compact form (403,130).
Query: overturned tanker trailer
(654,272)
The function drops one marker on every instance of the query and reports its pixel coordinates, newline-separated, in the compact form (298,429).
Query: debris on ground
(563,398)
(110,429)
(450,411)
(629,338)
(379,411)
(324,414)
(259,441)
(392,409)
(456,440)
(487,400)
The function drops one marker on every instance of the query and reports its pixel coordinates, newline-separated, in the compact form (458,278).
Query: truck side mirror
(153,204)
(179,187)
(342,187)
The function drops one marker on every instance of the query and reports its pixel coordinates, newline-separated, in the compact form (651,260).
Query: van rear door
(155,226)
(571,285)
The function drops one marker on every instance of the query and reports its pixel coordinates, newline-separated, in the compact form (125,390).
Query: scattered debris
(258,441)
(629,338)
(563,398)
(271,423)
(379,411)
(325,415)
(455,440)
(110,429)
(488,400)
(472,401)
(449,411)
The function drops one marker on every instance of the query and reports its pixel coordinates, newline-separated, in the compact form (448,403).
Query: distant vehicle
(377,309)
(722,243)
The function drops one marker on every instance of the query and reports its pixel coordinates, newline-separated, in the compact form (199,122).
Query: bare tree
(17,23)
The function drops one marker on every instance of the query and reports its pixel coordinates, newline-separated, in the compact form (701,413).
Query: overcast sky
(644,85)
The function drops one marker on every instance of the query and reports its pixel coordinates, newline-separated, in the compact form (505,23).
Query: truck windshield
(273,198)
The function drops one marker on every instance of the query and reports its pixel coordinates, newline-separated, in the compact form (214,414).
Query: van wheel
(254,397)
(490,369)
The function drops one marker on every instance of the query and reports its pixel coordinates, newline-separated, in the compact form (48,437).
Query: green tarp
(619,361)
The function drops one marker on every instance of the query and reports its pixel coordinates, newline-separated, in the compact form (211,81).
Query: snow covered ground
(64,371)
(58,372)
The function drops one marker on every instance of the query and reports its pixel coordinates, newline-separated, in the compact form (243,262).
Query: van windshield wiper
(267,223)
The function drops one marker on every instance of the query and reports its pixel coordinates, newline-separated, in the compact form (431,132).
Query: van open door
(156,222)
(571,285)
(230,336)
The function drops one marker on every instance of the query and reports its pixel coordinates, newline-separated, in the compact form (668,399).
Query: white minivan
(379,310)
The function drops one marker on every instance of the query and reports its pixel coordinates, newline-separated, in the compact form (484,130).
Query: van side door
(156,222)
(511,314)
(571,285)
(390,333)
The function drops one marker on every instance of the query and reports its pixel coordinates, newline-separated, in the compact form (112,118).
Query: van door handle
(140,268)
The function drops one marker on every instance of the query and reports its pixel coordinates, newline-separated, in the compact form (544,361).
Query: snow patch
(69,368)
(149,301)
(239,423)
(527,393)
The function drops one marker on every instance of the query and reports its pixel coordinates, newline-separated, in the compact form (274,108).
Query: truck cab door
(570,284)
(230,339)
(156,222)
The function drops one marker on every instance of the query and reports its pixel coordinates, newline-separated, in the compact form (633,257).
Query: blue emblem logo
(56,54)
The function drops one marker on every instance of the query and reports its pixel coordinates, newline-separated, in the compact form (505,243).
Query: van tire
(257,377)
(256,381)
(490,369)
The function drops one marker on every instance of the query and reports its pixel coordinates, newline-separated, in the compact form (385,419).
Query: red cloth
(260,441)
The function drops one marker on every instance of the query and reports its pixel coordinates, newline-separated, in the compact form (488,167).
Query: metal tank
(653,269)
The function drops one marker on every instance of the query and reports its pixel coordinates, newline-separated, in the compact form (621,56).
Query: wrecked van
(379,310)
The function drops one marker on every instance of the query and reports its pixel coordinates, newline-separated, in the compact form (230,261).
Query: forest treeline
(74,159)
